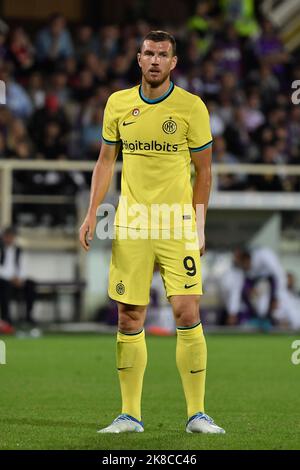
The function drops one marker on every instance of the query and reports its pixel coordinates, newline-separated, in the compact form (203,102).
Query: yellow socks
(191,358)
(131,364)
(191,362)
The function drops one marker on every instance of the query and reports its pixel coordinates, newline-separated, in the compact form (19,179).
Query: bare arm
(202,183)
(101,179)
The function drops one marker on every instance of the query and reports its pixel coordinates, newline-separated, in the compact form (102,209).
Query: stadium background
(242,58)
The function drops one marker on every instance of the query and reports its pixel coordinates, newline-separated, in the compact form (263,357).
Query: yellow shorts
(133,260)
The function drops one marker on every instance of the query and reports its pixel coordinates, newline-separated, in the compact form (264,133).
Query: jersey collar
(160,98)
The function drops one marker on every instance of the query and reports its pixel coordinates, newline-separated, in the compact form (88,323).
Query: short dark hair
(159,36)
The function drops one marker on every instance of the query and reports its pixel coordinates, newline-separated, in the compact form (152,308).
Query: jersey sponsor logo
(153,146)
(120,288)
(135,112)
(169,126)
(127,123)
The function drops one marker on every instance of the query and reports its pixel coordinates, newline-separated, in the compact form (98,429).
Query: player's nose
(155,59)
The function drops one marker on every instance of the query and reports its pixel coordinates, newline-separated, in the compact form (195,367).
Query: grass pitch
(56,391)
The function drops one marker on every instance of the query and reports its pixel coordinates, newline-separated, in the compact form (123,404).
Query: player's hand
(87,230)
(202,249)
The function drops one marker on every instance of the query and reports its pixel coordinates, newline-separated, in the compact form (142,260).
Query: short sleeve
(110,130)
(199,133)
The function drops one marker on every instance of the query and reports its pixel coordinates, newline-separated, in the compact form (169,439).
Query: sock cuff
(191,331)
(131,337)
(188,327)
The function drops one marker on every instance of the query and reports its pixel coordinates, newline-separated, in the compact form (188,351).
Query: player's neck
(152,93)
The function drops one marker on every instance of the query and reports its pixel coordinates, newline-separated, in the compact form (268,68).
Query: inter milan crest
(120,288)
(169,126)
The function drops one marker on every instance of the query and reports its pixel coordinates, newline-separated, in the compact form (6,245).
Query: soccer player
(162,128)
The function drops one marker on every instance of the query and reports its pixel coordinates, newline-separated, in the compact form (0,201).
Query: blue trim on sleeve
(203,147)
(110,142)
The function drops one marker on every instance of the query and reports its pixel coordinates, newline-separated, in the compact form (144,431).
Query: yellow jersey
(157,137)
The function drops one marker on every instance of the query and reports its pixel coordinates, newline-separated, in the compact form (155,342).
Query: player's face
(156,61)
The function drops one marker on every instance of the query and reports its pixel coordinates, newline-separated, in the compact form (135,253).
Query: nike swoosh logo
(123,368)
(192,285)
(196,371)
(127,123)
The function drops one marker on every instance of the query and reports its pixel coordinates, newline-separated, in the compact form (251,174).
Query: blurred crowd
(59,78)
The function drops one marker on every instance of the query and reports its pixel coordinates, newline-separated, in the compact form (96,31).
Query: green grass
(56,391)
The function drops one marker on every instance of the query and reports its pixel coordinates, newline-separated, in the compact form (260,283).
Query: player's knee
(187,313)
(130,321)
(127,325)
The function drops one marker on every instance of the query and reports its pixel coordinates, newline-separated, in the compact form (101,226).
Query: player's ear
(174,62)
(139,58)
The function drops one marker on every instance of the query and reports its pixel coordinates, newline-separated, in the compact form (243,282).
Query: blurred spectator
(242,13)
(16,132)
(202,23)
(51,145)
(268,181)
(23,180)
(5,120)
(221,155)
(107,44)
(269,48)
(17,99)
(216,122)
(256,287)
(36,90)
(293,135)
(21,50)
(58,86)
(3,148)
(85,86)
(229,51)
(295,301)
(69,65)
(97,67)
(210,86)
(3,36)
(52,112)
(269,85)
(84,41)
(91,134)
(253,116)
(13,282)
(54,42)
(237,135)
